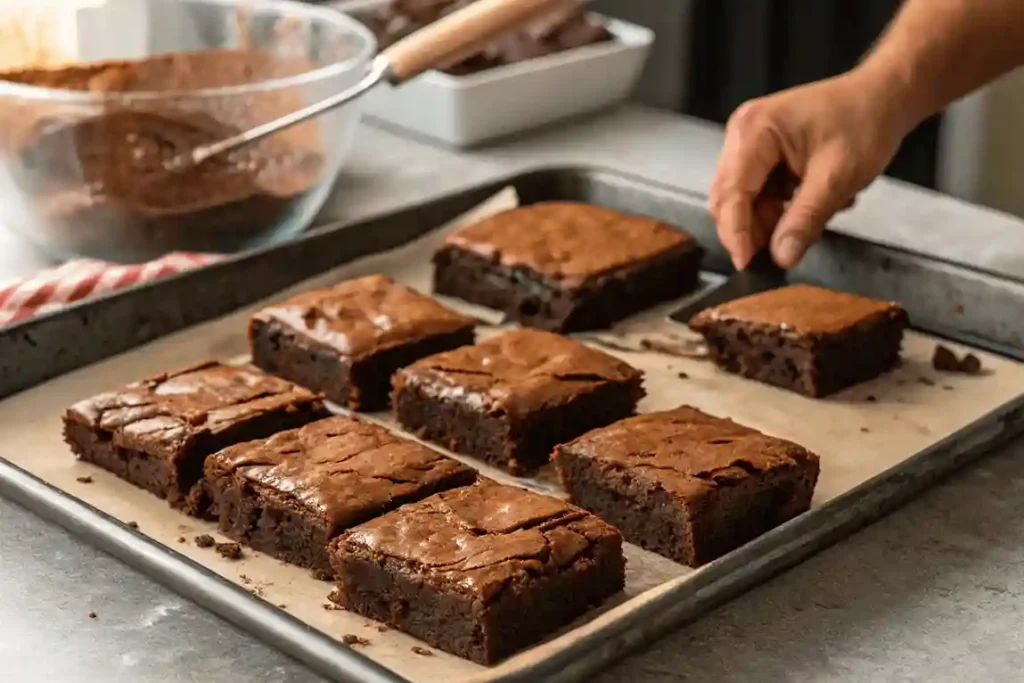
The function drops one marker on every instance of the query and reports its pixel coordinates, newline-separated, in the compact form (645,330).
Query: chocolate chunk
(945,359)
(970,364)
(205,541)
(231,551)
(351,639)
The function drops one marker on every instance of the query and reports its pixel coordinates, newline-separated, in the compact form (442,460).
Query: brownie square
(566,267)
(685,484)
(807,339)
(347,341)
(510,399)
(292,493)
(481,571)
(157,433)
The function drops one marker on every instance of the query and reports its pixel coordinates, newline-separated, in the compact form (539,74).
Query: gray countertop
(934,592)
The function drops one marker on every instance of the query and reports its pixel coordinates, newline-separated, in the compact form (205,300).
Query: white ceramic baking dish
(466,111)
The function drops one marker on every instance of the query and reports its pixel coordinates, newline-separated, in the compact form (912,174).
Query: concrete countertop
(934,592)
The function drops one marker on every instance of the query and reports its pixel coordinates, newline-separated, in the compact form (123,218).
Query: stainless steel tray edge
(320,652)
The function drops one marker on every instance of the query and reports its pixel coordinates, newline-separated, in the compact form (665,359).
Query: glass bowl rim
(326,15)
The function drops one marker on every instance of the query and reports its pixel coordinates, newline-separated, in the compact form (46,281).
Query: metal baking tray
(945,299)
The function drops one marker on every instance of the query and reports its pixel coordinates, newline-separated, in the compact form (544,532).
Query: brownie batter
(100,179)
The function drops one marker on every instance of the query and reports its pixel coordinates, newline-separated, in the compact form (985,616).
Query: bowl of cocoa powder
(93,113)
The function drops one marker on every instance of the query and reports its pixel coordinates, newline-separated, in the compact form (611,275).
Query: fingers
(749,155)
(824,190)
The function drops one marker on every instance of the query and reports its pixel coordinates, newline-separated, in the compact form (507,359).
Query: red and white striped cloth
(79,279)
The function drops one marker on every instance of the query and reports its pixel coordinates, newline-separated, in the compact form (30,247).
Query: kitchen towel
(79,279)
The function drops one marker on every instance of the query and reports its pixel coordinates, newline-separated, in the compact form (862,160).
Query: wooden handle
(462,33)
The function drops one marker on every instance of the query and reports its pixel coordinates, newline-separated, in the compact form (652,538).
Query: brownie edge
(685,484)
(504,567)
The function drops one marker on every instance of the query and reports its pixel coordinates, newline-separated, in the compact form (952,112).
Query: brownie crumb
(871,398)
(331,607)
(322,575)
(84,480)
(351,639)
(947,387)
(181,539)
(865,430)
(682,375)
(282,606)
(925,381)
(92,615)
(970,365)
(257,591)
(205,541)
(421,651)
(946,360)
(244,579)
(381,628)
(132,524)
(698,351)
(231,551)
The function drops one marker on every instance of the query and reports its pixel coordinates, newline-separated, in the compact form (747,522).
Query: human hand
(834,137)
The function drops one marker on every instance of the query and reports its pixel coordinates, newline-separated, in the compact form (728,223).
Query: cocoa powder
(99,178)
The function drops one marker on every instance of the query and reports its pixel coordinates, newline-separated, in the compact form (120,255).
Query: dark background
(740,49)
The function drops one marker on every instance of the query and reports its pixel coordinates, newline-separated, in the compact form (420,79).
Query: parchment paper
(858,434)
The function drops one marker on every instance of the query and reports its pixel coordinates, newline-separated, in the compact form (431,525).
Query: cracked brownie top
(360,317)
(686,451)
(569,242)
(481,539)
(165,414)
(342,469)
(518,372)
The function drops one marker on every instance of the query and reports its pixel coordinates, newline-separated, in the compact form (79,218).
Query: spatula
(761,274)
(445,41)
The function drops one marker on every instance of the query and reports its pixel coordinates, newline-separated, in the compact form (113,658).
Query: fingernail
(788,251)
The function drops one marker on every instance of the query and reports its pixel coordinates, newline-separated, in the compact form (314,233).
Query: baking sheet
(859,434)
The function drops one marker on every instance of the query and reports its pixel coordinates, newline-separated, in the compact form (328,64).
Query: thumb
(822,193)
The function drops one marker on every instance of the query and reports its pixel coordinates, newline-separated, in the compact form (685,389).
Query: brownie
(510,399)
(292,493)
(567,267)
(685,484)
(157,433)
(481,571)
(807,339)
(347,341)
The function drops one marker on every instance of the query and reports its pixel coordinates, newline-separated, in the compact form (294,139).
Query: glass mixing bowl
(85,147)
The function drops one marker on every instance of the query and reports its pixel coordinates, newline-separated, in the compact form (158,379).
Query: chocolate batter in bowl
(85,148)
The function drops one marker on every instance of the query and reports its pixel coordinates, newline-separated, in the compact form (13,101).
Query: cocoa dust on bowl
(86,146)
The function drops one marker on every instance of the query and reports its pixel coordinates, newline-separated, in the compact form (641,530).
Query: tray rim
(696,594)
